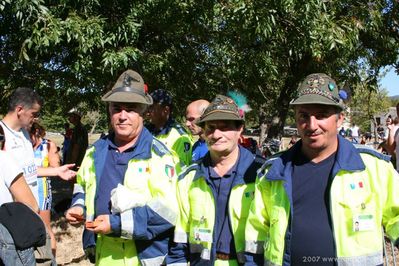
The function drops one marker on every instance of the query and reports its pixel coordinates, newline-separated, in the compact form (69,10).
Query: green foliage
(367,103)
(72,51)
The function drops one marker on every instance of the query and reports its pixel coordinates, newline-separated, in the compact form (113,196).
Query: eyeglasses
(36,114)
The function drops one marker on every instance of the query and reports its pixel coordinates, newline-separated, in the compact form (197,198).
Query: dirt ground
(69,244)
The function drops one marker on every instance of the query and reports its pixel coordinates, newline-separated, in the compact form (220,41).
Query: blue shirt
(113,173)
(221,188)
(199,150)
(312,234)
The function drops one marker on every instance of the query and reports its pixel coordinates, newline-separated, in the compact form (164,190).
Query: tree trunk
(94,126)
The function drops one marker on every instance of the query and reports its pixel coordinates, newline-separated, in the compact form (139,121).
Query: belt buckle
(223,256)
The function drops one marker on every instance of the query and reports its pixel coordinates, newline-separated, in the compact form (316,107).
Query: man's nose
(312,123)
(122,114)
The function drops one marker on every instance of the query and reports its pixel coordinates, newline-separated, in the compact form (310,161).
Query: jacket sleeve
(257,226)
(78,197)
(390,218)
(178,251)
(79,188)
(158,215)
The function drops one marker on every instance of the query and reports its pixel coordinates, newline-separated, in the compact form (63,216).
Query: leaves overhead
(72,51)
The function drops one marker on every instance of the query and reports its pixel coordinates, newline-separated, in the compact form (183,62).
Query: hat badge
(316,82)
(126,80)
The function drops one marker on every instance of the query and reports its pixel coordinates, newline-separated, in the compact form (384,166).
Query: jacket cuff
(115,221)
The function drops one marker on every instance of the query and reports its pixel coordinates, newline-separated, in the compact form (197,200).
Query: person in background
(342,132)
(355,133)
(79,141)
(393,138)
(46,154)
(164,127)
(125,188)
(13,187)
(214,193)
(193,112)
(324,198)
(250,144)
(293,140)
(23,109)
(67,140)
(388,122)
(363,140)
(380,132)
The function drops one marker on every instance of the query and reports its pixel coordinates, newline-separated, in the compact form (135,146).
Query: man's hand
(100,225)
(74,215)
(65,171)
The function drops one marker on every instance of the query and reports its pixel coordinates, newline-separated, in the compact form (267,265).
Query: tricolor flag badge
(169,170)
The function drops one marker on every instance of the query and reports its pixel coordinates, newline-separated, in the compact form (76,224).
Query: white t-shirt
(9,171)
(19,146)
(355,131)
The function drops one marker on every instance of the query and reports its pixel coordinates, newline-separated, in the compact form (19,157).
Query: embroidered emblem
(186,146)
(316,82)
(249,194)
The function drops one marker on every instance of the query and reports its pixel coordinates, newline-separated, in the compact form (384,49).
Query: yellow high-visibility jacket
(268,231)
(145,229)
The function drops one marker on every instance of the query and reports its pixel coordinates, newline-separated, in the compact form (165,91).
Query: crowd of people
(159,193)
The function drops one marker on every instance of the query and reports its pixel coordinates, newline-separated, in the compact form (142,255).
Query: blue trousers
(9,256)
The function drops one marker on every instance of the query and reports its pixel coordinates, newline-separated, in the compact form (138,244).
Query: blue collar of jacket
(142,149)
(246,167)
(347,158)
(164,130)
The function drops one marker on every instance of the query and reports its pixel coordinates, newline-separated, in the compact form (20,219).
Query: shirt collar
(212,173)
(241,167)
(347,158)
(141,148)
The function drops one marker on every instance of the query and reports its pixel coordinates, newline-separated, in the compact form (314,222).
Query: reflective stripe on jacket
(152,176)
(197,209)
(364,184)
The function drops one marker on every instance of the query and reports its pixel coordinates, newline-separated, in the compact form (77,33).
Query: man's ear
(19,108)
(167,109)
(340,119)
(241,129)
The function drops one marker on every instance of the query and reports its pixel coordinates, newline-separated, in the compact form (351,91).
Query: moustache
(211,141)
(309,132)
